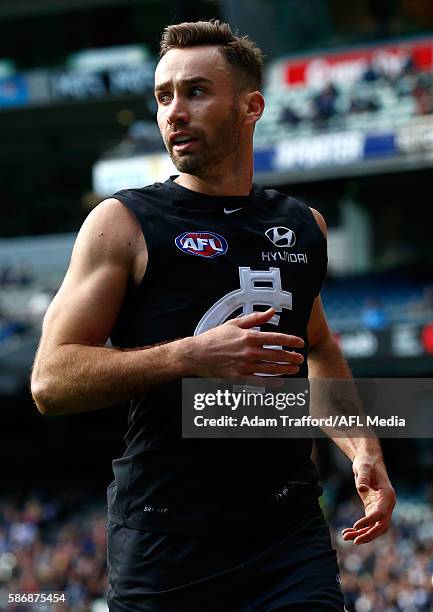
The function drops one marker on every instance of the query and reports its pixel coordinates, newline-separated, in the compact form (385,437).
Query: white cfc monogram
(257,288)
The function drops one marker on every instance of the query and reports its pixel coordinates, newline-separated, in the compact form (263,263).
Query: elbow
(42,395)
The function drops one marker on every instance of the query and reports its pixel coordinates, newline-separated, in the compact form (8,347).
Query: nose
(177,111)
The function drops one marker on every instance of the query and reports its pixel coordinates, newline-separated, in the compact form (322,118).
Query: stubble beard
(213,150)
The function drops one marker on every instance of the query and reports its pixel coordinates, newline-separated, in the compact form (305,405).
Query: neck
(222,181)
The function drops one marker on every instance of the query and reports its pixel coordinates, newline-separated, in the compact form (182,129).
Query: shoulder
(110,232)
(294,206)
(139,197)
(320,220)
(112,219)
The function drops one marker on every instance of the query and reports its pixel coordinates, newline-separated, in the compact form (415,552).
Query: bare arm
(75,372)
(325,360)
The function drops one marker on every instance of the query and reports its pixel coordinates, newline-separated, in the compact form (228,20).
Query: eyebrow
(190,81)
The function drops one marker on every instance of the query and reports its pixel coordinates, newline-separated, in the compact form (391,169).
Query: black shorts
(294,568)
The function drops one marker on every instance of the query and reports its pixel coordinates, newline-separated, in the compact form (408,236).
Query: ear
(254,105)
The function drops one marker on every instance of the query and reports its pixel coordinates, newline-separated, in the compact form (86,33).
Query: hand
(378,497)
(235,350)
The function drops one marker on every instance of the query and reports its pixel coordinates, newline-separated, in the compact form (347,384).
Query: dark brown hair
(242,54)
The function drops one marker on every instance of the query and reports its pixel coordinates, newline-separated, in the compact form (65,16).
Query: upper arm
(318,328)
(320,220)
(87,304)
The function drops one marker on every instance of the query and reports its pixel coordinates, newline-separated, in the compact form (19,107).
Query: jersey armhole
(313,218)
(128,201)
(324,241)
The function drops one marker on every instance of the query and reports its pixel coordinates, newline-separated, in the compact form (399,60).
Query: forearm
(326,361)
(356,447)
(77,378)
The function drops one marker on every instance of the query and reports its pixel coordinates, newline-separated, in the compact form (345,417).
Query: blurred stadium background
(348,128)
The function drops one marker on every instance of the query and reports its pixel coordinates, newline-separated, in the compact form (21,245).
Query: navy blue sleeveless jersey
(210,259)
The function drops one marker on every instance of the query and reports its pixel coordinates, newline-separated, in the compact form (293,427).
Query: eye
(164,98)
(197,91)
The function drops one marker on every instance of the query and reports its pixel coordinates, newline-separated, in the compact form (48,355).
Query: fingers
(350,533)
(254,319)
(371,534)
(264,367)
(363,536)
(367,528)
(371,519)
(274,338)
(347,530)
(280,355)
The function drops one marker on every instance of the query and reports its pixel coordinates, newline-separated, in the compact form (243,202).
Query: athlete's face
(198,109)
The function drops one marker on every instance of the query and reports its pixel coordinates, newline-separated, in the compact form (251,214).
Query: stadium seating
(50,545)
(367,105)
(401,300)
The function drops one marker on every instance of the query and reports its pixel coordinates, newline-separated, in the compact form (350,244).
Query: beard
(213,148)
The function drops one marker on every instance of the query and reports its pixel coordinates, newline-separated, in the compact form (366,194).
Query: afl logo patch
(203,244)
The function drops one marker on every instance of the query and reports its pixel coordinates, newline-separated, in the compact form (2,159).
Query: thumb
(254,319)
(363,479)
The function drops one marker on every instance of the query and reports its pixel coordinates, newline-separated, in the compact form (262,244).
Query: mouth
(182,142)
(185,146)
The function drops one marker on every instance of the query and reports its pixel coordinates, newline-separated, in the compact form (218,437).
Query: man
(164,271)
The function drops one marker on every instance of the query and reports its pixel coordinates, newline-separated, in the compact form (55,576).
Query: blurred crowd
(380,302)
(43,550)
(393,573)
(23,301)
(56,546)
(375,91)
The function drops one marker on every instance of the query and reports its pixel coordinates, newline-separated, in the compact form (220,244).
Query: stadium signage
(79,85)
(348,67)
(337,148)
(408,340)
(110,175)
(416,137)
(359,344)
